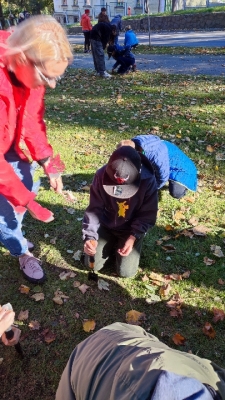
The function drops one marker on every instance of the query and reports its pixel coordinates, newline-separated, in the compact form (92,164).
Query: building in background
(70,11)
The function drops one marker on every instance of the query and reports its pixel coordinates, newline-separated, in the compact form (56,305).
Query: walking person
(86,29)
(32,57)
(101,34)
(122,208)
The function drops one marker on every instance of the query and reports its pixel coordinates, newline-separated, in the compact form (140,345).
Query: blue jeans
(11,221)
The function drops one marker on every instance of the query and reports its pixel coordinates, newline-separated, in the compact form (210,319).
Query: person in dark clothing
(122,208)
(117,21)
(100,36)
(123,56)
(122,361)
(103,17)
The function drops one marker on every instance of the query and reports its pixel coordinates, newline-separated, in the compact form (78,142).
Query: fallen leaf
(169,228)
(89,325)
(153,299)
(178,215)
(77,255)
(49,337)
(209,331)
(83,288)
(77,315)
(176,312)
(58,300)
(174,277)
(66,275)
(210,149)
(201,230)
(169,248)
(219,315)
(190,199)
(193,221)
(103,285)
(165,289)
(134,317)
(34,325)
(1,360)
(145,278)
(186,274)
(187,233)
(38,296)
(208,261)
(23,315)
(86,188)
(221,282)
(216,250)
(24,289)
(76,284)
(178,339)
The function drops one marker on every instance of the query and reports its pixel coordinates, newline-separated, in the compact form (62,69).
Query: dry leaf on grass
(208,261)
(24,289)
(165,289)
(38,296)
(186,274)
(89,325)
(76,284)
(83,288)
(193,221)
(49,336)
(134,317)
(34,325)
(219,315)
(216,250)
(58,300)
(66,275)
(176,312)
(178,339)
(178,215)
(174,277)
(77,255)
(145,278)
(201,230)
(103,285)
(169,248)
(209,331)
(23,315)
(169,228)
(221,282)
(210,149)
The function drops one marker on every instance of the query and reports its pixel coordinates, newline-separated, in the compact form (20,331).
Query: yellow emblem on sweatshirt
(122,207)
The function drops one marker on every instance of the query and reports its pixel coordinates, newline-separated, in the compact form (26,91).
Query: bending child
(124,58)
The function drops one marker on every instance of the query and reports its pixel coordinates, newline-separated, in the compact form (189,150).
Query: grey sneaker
(31,269)
(106,75)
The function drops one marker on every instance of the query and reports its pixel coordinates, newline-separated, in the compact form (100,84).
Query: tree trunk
(2,20)
(174,4)
(161,6)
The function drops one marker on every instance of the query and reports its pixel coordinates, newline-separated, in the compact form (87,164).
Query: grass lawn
(86,116)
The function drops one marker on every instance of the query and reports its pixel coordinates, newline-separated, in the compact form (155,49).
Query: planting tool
(9,333)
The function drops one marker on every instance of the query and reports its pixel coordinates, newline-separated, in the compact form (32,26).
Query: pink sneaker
(31,269)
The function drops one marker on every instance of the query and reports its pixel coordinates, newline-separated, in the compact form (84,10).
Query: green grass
(86,116)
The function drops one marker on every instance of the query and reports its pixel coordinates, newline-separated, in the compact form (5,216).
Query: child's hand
(90,247)
(128,246)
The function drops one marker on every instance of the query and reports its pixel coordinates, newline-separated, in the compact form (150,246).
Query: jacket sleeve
(145,217)
(35,136)
(91,221)
(10,185)
(89,24)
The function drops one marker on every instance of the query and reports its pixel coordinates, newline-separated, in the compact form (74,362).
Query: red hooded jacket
(21,126)
(86,23)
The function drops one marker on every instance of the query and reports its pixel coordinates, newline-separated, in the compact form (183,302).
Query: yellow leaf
(210,149)
(168,228)
(34,325)
(89,325)
(58,300)
(164,290)
(24,289)
(134,317)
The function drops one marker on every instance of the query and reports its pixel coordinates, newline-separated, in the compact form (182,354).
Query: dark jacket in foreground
(101,33)
(124,362)
(134,215)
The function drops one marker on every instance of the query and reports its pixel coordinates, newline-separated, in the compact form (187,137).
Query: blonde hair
(41,38)
(126,142)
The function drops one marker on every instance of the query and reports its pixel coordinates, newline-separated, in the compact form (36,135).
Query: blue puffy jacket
(168,161)
(130,39)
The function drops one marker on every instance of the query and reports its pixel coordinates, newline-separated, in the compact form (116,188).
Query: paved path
(169,64)
(183,38)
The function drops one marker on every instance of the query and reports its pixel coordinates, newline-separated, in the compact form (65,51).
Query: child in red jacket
(86,29)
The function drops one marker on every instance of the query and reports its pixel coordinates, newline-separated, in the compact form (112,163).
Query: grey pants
(108,244)
(98,56)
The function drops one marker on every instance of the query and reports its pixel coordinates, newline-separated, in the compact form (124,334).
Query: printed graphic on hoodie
(122,207)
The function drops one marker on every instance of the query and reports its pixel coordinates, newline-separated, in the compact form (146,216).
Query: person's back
(130,38)
(117,21)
